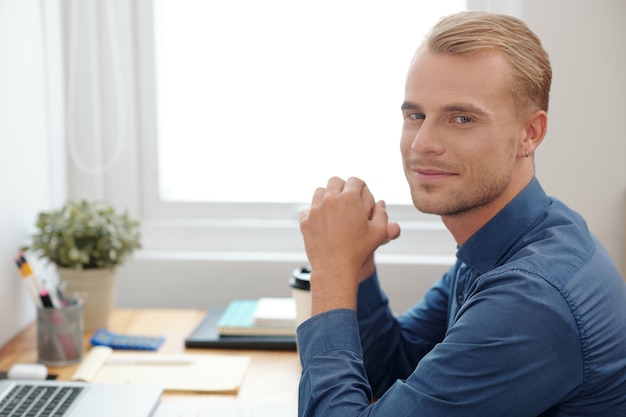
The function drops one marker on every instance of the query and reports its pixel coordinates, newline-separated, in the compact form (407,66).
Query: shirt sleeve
(392,346)
(333,374)
(513,350)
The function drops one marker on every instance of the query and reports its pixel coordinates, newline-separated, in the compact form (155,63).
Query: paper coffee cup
(300,283)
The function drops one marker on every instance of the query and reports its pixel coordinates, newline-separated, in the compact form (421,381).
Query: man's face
(460,136)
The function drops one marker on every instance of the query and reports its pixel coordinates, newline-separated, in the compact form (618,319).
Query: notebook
(77,399)
(206,335)
(260,317)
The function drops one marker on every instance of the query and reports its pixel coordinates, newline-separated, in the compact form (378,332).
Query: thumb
(379,214)
(393,231)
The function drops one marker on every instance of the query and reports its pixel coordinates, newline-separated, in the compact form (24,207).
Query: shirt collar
(485,248)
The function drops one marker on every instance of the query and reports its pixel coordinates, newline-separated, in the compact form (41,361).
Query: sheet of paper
(190,408)
(176,372)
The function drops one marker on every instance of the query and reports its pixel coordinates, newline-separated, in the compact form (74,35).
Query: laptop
(77,399)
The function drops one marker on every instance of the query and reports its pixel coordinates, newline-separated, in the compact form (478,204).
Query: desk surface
(272,376)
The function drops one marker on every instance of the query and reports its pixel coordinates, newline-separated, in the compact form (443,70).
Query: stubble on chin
(425,200)
(430,199)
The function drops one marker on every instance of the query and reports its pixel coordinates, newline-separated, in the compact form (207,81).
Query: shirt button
(460,299)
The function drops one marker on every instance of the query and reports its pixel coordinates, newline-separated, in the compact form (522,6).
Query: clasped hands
(341,231)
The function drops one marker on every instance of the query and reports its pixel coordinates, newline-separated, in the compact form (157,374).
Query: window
(263,101)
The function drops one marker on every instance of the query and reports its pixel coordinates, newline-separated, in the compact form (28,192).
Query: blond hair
(471,32)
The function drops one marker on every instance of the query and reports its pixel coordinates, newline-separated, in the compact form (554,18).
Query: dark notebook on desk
(206,335)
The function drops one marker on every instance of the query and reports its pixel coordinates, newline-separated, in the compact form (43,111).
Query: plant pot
(97,287)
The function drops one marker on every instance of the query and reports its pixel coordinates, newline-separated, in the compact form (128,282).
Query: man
(530,321)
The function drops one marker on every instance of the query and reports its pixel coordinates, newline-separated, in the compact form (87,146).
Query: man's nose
(427,139)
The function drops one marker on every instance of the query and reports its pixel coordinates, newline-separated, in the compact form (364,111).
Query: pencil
(29,279)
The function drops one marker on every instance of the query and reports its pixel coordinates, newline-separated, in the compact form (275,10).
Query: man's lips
(432,174)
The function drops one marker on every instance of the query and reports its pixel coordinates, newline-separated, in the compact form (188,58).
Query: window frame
(226,230)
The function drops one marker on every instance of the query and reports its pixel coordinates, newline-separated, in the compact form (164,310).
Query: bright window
(263,101)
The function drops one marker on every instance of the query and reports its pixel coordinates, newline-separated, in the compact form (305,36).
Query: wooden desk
(272,376)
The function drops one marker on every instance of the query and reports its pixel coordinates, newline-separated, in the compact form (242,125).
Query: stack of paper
(262,317)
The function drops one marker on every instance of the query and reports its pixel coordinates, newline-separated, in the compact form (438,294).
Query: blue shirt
(530,321)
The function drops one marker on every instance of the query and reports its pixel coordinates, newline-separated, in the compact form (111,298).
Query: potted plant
(86,241)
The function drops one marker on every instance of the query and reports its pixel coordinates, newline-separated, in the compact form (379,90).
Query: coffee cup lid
(301,278)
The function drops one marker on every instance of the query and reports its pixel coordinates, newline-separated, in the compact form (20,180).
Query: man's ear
(536,129)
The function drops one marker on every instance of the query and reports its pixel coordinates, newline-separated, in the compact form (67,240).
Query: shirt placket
(458,293)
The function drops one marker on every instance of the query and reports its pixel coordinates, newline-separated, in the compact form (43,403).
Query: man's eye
(462,119)
(417,116)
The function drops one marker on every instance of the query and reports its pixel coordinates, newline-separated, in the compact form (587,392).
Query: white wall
(29,142)
(582,159)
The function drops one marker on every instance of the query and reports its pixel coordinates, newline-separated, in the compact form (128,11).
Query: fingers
(381,217)
(374,211)
(336,186)
(368,200)
(355,185)
(318,196)
(304,214)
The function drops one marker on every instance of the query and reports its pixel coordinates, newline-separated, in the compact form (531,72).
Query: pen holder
(60,335)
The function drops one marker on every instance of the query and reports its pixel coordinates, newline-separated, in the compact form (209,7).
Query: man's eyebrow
(409,106)
(463,108)
(450,108)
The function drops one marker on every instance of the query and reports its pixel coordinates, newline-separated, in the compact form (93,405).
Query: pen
(46,301)
(35,287)
(61,293)
(29,279)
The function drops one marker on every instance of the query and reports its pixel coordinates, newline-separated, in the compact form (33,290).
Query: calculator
(104,337)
